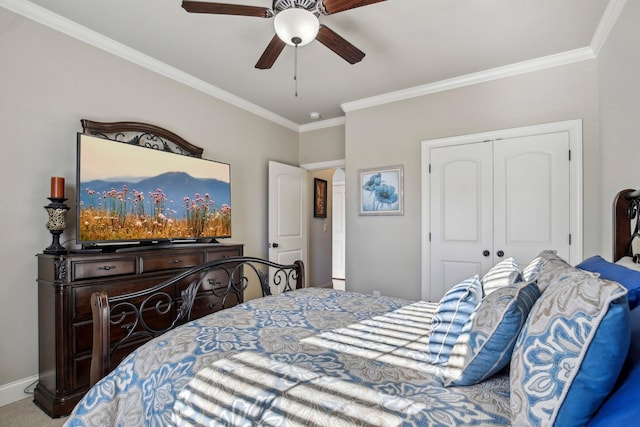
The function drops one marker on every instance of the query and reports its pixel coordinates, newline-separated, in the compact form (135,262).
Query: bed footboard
(121,323)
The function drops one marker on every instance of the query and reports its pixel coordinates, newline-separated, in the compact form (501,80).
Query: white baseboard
(14,391)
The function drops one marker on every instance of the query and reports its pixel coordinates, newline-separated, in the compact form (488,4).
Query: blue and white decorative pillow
(453,311)
(486,343)
(570,351)
(504,273)
(545,269)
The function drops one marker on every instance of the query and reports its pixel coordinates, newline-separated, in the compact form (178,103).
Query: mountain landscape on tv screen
(175,186)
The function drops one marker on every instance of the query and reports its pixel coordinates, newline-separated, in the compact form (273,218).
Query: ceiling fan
(296,24)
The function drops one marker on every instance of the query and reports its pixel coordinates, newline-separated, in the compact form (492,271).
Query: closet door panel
(461,214)
(531,204)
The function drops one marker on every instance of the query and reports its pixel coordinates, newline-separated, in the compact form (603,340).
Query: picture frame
(319,198)
(381,190)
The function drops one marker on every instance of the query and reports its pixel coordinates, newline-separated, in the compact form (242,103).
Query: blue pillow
(495,326)
(621,407)
(453,311)
(628,278)
(569,353)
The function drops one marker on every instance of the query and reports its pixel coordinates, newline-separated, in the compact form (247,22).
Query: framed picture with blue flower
(381,191)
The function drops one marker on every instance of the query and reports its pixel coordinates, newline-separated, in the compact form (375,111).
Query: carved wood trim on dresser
(65,285)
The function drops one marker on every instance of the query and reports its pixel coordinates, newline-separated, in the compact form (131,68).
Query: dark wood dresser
(65,285)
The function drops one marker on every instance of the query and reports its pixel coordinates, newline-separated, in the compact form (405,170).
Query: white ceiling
(408,44)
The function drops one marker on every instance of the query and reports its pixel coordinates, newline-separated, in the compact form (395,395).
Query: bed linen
(307,357)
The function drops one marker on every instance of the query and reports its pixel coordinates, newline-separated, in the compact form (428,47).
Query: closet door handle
(486,253)
(500,253)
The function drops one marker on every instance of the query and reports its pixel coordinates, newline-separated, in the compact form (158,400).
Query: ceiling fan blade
(226,9)
(339,45)
(334,6)
(271,53)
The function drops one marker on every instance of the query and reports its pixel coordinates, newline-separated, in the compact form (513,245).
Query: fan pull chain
(296,41)
(295,70)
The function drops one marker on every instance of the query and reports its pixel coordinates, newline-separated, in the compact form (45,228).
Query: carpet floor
(24,413)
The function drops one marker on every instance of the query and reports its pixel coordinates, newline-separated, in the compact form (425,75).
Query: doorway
(322,243)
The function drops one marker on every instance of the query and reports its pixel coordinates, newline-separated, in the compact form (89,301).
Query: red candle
(57,187)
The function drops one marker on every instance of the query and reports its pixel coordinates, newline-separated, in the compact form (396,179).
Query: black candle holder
(57,223)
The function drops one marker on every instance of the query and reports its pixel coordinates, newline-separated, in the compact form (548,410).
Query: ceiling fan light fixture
(296,27)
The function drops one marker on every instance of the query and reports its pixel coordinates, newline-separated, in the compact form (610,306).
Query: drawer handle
(212,306)
(107,267)
(174,261)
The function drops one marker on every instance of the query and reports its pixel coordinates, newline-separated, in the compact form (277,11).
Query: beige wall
(48,83)
(619,92)
(384,252)
(322,145)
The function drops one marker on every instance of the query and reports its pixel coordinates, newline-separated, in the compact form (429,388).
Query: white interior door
(288,207)
(532,203)
(338,226)
(461,214)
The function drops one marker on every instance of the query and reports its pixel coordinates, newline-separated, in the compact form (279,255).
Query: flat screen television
(132,194)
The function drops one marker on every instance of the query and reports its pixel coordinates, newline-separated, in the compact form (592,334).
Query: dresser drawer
(226,253)
(87,269)
(81,366)
(82,332)
(81,295)
(169,262)
(207,304)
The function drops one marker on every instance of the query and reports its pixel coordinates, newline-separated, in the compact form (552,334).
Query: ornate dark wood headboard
(626,207)
(143,134)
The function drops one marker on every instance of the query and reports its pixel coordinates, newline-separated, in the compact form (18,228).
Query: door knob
(273,245)
(486,253)
(500,253)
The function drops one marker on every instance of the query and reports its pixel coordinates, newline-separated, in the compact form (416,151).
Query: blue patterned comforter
(307,357)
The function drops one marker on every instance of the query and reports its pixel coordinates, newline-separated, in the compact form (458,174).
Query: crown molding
(45,17)
(609,18)
(338,121)
(73,29)
(497,73)
(324,165)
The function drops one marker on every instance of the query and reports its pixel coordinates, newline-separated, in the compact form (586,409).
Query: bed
(542,343)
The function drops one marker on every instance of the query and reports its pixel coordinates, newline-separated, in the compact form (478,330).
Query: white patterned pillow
(570,351)
(504,273)
(453,311)
(487,340)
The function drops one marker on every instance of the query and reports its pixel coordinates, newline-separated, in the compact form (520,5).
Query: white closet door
(531,196)
(461,214)
(533,200)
